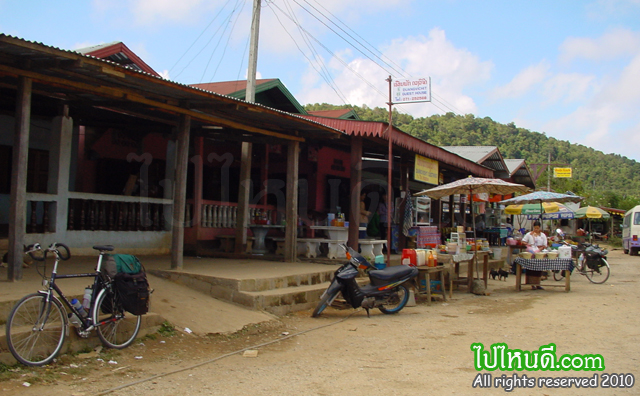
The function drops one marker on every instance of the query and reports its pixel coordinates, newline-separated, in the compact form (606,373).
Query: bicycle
(590,262)
(38,324)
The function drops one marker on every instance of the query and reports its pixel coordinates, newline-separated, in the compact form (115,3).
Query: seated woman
(535,239)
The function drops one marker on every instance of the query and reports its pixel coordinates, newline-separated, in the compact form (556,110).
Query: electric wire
(333,55)
(370,48)
(224,51)
(324,72)
(198,38)
(224,356)
(347,33)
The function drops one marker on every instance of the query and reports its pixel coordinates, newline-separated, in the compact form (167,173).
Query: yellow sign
(562,172)
(426,170)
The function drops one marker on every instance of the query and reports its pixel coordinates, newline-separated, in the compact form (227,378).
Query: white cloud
(157,12)
(529,78)
(568,87)
(613,44)
(609,120)
(451,69)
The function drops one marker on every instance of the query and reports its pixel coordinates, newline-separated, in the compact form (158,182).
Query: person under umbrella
(535,240)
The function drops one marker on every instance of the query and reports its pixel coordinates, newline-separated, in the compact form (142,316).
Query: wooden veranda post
(355,188)
(18,197)
(290,240)
(180,192)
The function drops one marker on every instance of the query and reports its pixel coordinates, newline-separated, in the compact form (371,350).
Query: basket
(552,255)
(526,255)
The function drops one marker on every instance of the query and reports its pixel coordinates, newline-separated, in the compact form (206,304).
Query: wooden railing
(98,215)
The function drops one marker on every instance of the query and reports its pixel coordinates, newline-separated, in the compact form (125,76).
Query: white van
(631,231)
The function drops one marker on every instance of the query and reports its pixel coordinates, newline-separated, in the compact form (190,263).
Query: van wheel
(625,251)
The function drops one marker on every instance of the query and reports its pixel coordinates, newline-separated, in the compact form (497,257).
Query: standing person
(382,212)
(364,215)
(535,240)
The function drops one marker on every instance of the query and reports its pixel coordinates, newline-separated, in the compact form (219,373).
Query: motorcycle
(386,290)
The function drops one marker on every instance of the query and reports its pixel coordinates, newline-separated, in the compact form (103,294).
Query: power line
(196,40)
(332,54)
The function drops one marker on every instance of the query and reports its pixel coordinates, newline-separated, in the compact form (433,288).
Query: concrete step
(282,301)
(277,295)
(150,324)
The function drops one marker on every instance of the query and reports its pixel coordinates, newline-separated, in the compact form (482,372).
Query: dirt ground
(422,350)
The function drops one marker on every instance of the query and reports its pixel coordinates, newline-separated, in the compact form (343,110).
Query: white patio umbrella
(474,185)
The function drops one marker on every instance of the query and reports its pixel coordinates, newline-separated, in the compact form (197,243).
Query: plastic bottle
(77,305)
(430,261)
(86,300)
(74,320)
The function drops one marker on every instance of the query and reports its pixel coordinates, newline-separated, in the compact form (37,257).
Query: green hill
(609,180)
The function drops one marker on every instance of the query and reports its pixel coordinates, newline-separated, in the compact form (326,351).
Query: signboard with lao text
(562,172)
(426,170)
(411,91)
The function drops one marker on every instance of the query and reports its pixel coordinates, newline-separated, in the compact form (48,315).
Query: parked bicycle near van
(39,324)
(591,261)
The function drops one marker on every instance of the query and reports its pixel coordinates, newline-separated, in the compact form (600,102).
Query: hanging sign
(411,91)
(425,170)
(562,172)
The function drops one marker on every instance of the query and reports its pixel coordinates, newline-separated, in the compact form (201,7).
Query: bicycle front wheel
(36,330)
(116,328)
(598,275)
(558,275)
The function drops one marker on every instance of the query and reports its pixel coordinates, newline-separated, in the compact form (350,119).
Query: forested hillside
(604,179)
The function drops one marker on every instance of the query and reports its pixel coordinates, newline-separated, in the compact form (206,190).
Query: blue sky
(570,69)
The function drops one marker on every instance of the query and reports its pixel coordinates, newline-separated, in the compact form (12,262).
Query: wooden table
(543,265)
(425,272)
(470,268)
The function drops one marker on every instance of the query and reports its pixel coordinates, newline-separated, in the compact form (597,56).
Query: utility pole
(253,53)
(389,176)
(247,147)
(549,172)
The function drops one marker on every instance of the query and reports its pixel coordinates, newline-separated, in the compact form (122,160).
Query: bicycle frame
(99,283)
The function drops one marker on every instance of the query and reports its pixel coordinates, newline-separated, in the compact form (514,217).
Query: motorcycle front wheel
(396,300)
(325,301)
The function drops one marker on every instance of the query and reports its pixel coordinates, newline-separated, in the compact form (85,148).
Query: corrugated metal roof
(377,130)
(486,155)
(70,76)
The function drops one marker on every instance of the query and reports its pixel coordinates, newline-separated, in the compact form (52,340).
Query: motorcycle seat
(394,272)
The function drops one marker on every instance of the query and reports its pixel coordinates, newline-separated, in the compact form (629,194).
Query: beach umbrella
(591,212)
(542,196)
(532,208)
(474,185)
(563,212)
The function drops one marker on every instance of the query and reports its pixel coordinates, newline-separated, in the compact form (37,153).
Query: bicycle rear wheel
(598,275)
(116,328)
(36,330)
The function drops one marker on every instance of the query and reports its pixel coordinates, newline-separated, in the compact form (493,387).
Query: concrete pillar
(59,170)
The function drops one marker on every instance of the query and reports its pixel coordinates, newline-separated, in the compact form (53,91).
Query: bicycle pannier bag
(116,263)
(133,292)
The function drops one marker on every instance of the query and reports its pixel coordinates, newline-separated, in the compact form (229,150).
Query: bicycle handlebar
(55,248)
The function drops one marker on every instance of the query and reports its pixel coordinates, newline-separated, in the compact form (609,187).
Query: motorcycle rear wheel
(397,300)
